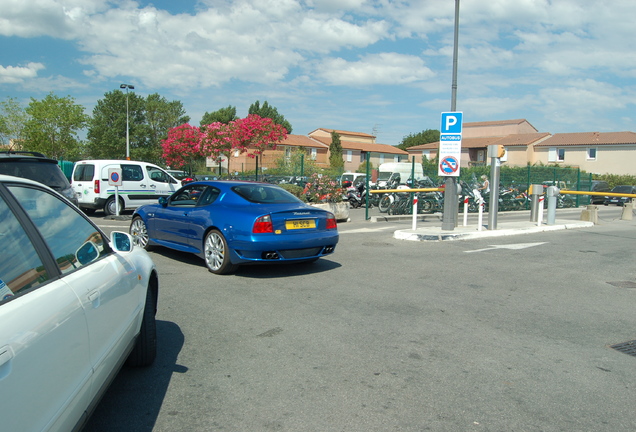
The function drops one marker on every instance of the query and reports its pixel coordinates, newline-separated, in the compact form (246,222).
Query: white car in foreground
(74,306)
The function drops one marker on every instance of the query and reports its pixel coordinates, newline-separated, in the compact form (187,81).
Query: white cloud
(517,58)
(19,74)
(383,69)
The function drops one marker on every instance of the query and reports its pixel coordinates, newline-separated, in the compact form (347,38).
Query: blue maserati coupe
(229,223)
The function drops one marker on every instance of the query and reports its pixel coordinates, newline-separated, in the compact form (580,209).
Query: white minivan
(142,183)
(398,173)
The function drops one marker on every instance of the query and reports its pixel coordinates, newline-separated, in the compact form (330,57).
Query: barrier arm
(381,191)
(612,194)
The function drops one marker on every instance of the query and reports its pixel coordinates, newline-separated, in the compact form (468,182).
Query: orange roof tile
(509,140)
(301,141)
(589,138)
(367,147)
(342,132)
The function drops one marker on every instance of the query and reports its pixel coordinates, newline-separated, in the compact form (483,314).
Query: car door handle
(153,186)
(94,297)
(6,355)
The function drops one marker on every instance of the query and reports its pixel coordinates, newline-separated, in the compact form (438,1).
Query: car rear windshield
(264,194)
(43,172)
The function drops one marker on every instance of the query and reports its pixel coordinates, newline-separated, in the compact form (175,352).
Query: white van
(398,172)
(142,183)
(354,178)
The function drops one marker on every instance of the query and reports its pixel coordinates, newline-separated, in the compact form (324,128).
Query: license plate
(300,224)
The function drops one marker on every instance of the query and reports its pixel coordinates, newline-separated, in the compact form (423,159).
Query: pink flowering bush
(253,135)
(323,189)
(182,146)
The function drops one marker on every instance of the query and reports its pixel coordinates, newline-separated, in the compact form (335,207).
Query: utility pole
(449,217)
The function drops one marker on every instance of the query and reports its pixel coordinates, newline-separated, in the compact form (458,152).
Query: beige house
(356,146)
(594,152)
(518,136)
(240,162)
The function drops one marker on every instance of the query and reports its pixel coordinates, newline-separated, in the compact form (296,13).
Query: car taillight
(96,188)
(331,222)
(263,225)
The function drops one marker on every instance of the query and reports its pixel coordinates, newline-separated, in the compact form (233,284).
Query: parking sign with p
(451,123)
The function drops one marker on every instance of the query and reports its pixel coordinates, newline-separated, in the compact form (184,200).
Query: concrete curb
(432,234)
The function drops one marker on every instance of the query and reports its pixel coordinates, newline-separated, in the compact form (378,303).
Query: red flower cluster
(253,134)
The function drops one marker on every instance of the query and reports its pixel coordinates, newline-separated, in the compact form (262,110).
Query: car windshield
(623,189)
(42,172)
(265,194)
(179,175)
(382,176)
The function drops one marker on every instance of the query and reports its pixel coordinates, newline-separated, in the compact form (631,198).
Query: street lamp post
(131,87)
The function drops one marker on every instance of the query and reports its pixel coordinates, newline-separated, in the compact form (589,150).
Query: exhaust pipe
(270,255)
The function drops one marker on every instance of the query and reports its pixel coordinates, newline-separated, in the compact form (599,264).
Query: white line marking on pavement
(516,246)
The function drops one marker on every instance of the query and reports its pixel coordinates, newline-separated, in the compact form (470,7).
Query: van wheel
(109,207)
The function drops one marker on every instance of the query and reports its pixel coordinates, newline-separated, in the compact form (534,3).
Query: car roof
(14,156)
(230,183)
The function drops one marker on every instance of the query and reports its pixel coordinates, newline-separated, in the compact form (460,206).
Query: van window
(131,173)
(84,172)
(157,175)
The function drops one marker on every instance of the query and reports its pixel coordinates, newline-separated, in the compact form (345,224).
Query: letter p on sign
(451,123)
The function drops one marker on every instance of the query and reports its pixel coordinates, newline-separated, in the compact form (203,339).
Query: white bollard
(466,211)
(480,220)
(414,225)
(540,215)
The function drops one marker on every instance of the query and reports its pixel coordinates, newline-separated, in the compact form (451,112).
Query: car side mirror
(121,241)
(87,253)
(163,201)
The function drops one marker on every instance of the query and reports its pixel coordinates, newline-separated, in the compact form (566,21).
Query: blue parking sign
(451,123)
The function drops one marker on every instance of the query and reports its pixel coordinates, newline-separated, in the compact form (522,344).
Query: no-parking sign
(114,177)
(449,166)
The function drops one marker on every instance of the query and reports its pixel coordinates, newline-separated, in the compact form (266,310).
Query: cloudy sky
(376,66)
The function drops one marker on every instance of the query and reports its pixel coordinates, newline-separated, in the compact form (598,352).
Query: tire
(392,210)
(217,254)
(427,206)
(109,207)
(139,233)
(384,204)
(145,349)
(353,203)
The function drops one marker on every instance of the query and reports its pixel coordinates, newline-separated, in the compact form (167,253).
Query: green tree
(224,115)
(53,126)
(335,152)
(149,120)
(362,168)
(270,112)
(298,163)
(160,115)
(424,137)
(13,118)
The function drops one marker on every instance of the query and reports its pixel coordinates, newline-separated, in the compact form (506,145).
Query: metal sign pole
(117,200)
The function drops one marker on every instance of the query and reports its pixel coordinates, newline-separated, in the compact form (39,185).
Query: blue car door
(171,224)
